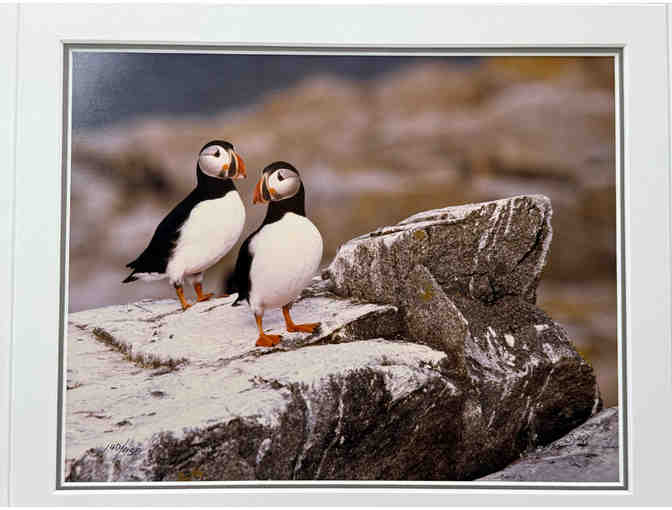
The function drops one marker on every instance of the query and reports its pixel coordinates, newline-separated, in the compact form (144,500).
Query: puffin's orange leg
(199,293)
(265,340)
(180,294)
(292,328)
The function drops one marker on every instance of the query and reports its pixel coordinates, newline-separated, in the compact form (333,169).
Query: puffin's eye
(280,177)
(217,154)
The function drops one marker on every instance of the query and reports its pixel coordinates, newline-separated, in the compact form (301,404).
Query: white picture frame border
(36,280)
(8,89)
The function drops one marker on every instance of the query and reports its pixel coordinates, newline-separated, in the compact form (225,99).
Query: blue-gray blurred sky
(114,86)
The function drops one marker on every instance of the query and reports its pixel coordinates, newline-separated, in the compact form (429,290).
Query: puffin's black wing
(239,281)
(157,254)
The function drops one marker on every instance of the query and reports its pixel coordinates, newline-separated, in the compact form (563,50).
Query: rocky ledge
(589,453)
(432,363)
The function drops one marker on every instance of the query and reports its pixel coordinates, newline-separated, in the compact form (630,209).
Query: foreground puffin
(278,260)
(201,229)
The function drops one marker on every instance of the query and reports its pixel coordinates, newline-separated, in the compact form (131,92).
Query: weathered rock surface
(484,251)
(432,363)
(588,453)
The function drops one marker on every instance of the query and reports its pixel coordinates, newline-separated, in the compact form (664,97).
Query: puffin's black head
(279,181)
(219,159)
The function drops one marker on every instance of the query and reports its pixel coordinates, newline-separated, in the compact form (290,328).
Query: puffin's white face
(277,185)
(217,161)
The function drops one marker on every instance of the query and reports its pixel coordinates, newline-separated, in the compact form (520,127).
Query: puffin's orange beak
(240,165)
(239,168)
(258,195)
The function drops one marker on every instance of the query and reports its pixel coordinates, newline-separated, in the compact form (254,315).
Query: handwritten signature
(122,449)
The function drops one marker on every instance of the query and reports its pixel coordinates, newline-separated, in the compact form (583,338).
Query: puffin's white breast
(211,230)
(285,257)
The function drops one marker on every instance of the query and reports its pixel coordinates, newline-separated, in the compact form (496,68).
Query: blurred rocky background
(376,139)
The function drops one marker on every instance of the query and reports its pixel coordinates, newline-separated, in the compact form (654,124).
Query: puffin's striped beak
(240,166)
(262,193)
(236,170)
(258,192)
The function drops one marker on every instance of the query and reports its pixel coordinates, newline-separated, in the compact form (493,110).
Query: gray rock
(483,250)
(423,369)
(431,318)
(329,411)
(588,453)
(158,333)
(464,279)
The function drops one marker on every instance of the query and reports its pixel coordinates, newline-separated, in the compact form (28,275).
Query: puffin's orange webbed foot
(294,328)
(199,293)
(303,328)
(183,301)
(268,340)
(265,340)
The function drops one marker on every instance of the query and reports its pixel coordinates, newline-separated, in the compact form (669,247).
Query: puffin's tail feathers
(130,278)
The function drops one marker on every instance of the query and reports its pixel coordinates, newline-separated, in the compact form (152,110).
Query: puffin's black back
(157,254)
(239,281)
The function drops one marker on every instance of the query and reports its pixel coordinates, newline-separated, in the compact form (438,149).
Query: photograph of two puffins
(341,267)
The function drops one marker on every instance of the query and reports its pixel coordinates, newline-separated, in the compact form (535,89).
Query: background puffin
(201,229)
(278,260)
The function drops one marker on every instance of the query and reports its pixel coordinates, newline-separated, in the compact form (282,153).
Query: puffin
(201,229)
(278,260)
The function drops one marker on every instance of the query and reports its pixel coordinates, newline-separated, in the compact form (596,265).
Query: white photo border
(8,89)
(638,36)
